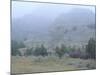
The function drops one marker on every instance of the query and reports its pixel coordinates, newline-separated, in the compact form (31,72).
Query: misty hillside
(29,25)
(74,27)
(77,16)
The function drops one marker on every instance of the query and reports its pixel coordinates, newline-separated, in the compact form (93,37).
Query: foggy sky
(20,9)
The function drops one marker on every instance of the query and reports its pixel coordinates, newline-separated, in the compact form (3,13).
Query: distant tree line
(38,51)
(90,50)
(89,53)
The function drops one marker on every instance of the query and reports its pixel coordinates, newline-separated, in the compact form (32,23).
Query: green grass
(39,64)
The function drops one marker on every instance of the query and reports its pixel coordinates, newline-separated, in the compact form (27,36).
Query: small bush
(75,54)
(78,53)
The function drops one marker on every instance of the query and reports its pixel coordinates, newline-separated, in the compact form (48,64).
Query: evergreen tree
(41,51)
(36,51)
(91,48)
(64,49)
(58,52)
(29,52)
(14,48)
(21,45)
(61,51)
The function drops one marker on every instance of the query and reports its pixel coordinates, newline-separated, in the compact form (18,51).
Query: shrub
(75,54)
(78,53)
(83,55)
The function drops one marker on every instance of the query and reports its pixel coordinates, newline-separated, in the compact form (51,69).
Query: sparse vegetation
(47,39)
(35,64)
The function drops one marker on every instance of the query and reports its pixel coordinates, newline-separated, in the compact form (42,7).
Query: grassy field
(48,64)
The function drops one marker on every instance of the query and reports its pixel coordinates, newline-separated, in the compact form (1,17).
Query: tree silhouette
(91,48)
(40,51)
(61,51)
(29,52)
(14,48)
